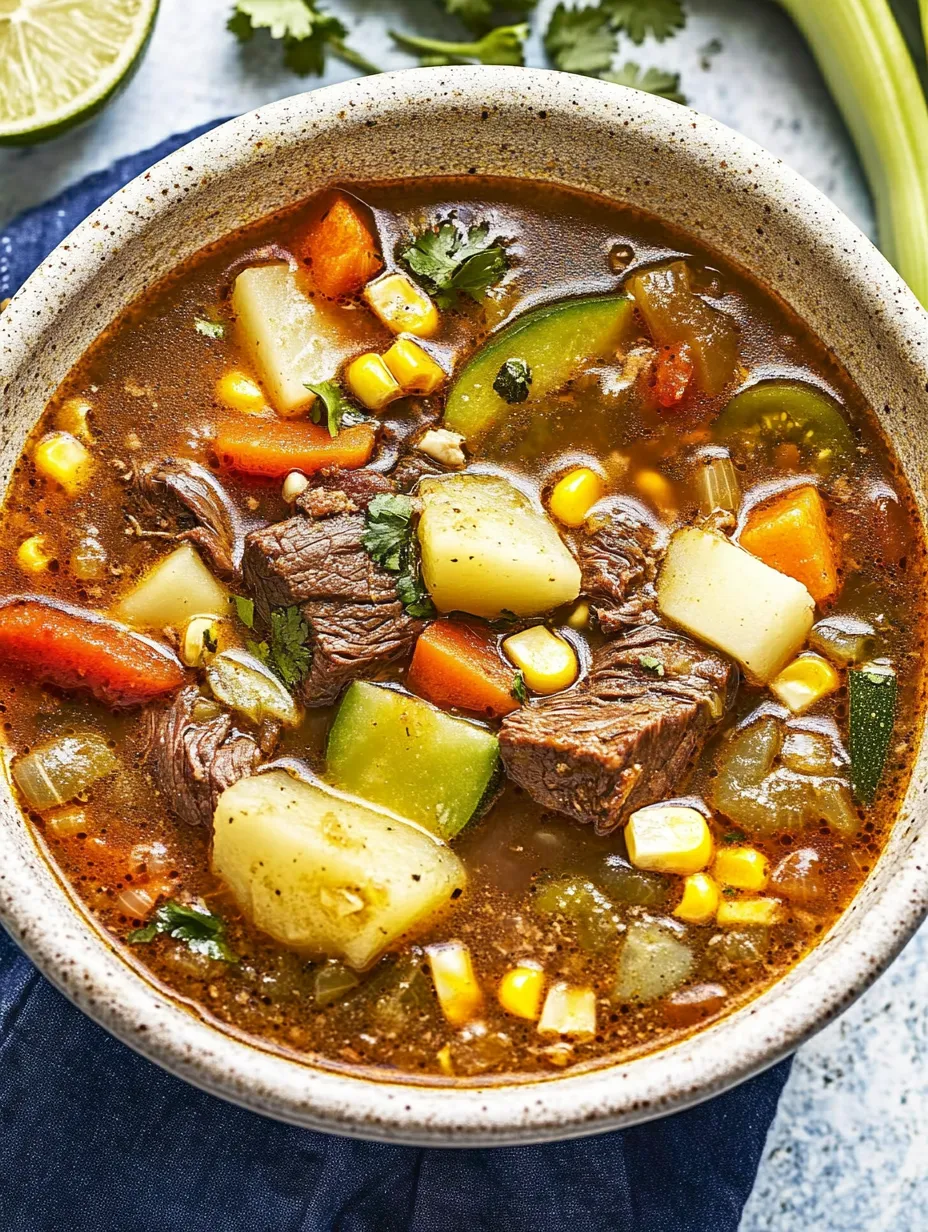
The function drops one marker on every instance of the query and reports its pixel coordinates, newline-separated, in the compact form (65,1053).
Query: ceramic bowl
(679,165)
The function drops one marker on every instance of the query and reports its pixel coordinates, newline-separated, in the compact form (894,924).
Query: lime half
(60,60)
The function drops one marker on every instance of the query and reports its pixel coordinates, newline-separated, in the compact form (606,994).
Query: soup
(459,632)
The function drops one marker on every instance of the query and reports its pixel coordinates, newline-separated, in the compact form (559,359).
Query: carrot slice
(791,534)
(672,374)
(342,250)
(75,649)
(274,447)
(456,664)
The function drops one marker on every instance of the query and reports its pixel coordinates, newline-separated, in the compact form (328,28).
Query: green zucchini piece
(872,691)
(408,756)
(552,341)
(777,412)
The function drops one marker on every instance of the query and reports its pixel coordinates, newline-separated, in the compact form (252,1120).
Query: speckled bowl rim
(87,968)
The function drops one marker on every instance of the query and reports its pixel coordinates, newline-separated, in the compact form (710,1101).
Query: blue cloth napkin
(94,1138)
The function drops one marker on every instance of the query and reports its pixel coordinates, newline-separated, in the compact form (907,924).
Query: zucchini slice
(872,690)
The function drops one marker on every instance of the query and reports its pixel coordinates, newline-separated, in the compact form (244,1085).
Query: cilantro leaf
(306,32)
(202,932)
(478,14)
(513,380)
(261,650)
(651,664)
(504,45)
(653,81)
(388,530)
(245,610)
(733,836)
(581,40)
(290,655)
(338,409)
(519,691)
(208,328)
(414,597)
(454,262)
(639,18)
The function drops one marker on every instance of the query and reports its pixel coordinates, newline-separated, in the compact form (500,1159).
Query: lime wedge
(60,60)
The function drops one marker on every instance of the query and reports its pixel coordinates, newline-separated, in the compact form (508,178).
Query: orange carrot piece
(75,649)
(791,534)
(673,372)
(342,250)
(456,664)
(275,447)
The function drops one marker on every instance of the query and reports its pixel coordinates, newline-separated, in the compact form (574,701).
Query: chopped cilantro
(504,45)
(338,409)
(245,610)
(729,892)
(513,380)
(581,40)
(203,932)
(519,691)
(208,328)
(414,597)
(390,541)
(478,14)
(733,836)
(651,664)
(261,650)
(639,18)
(652,81)
(289,653)
(452,261)
(307,33)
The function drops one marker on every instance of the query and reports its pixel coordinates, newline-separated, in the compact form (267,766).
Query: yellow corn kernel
(749,911)
(372,382)
(402,306)
(579,617)
(456,984)
(669,838)
(61,457)
(237,390)
(745,868)
(547,662)
(569,1011)
(654,487)
(200,641)
(700,899)
(520,991)
(804,682)
(445,1064)
(575,495)
(414,369)
(32,554)
(74,416)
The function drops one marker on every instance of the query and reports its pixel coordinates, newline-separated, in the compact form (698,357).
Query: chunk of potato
(723,595)
(177,587)
(654,962)
(291,338)
(327,874)
(487,550)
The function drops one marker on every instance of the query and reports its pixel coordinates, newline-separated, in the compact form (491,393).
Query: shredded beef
(619,561)
(358,487)
(626,737)
(184,490)
(194,759)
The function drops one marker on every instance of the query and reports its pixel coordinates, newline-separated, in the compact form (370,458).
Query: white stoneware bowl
(537,125)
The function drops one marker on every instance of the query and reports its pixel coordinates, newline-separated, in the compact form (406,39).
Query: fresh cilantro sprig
(581,40)
(504,45)
(245,610)
(519,691)
(513,381)
(454,262)
(639,18)
(199,929)
(306,31)
(339,410)
(389,538)
(651,663)
(478,14)
(288,654)
(652,81)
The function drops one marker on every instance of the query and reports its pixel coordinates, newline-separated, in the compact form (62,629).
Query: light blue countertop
(848,1151)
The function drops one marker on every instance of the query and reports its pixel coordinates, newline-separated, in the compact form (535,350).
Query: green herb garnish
(653,81)
(208,328)
(518,690)
(390,541)
(414,597)
(504,45)
(651,664)
(307,33)
(454,262)
(289,654)
(245,610)
(339,410)
(513,380)
(199,929)
(639,18)
(733,836)
(581,40)
(478,14)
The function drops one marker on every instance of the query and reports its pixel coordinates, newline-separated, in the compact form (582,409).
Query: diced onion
(151,858)
(62,769)
(136,902)
(240,680)
(717,486)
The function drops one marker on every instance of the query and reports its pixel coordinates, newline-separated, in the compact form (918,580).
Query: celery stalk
(870,73)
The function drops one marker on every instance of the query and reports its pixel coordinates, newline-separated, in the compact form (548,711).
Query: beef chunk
(619,560)
(356,621)
(186,491)
(358,488)
(415,466)
(628,735)
(195,753)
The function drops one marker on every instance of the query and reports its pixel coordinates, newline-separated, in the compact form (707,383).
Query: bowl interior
(669,161)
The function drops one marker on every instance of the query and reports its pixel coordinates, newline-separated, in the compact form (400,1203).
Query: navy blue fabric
(95,1139)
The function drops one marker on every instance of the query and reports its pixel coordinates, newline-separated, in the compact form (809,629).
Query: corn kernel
(294,485)
(239,392)
(402,306)
(372,382)
(200,641)
(61,457)
(443,1057)
(414,369)
(575,495)
(749,911)
(547,662)
(32,554)
(579,617)
(569,1011)
(804,682)
(520,991)
(456,984)
(700,899)
(745,868)
(654,487)
(669,838)
(74,416)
